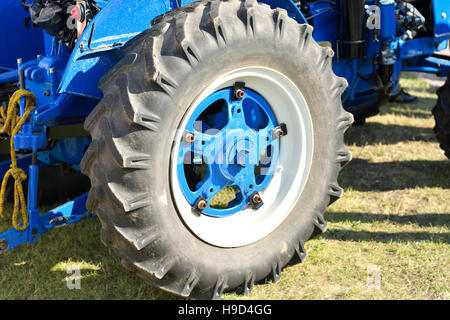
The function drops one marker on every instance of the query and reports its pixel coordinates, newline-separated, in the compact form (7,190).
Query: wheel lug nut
(202,205)
(257,199)
(238,91)
(189,138)
(240,94)
(279,132)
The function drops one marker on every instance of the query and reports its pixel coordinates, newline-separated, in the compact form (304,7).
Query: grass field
(388,237)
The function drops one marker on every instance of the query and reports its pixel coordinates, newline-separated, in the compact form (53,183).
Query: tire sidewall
(298,226)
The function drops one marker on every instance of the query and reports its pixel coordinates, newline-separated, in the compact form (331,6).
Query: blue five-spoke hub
(227,142)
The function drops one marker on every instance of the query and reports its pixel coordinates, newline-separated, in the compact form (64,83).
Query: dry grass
(395,216)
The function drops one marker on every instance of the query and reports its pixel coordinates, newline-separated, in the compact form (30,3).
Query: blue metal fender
(289,5)
(97,51)
(117,23)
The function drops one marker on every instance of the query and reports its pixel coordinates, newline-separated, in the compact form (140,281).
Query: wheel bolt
(279,132)
(239,94)
(201,205)
(189,138)
(256,199)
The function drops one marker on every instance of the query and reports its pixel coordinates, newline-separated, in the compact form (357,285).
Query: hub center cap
(240,153)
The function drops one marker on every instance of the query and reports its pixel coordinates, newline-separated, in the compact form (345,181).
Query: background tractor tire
(441,114)
(146,96)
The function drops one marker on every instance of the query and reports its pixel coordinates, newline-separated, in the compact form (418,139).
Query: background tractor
(207,136)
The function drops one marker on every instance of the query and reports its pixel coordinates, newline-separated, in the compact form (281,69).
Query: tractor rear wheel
(441,114)
(226,100)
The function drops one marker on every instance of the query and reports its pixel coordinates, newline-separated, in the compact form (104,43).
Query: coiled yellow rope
(11,122)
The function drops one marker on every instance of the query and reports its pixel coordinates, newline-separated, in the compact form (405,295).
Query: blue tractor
(207,136)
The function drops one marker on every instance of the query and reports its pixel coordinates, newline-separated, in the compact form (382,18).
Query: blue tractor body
(371,50)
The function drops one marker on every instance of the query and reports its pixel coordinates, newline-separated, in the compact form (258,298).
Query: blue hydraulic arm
(68,213)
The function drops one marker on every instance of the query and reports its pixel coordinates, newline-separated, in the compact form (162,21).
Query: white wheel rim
(291,173)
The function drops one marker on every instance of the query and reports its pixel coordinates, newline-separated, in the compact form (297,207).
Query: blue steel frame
(411,55)
(66,82)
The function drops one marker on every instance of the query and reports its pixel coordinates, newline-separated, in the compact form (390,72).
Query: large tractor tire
(441,114)
(272,128)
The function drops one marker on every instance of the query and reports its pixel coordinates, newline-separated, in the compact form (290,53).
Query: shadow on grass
(362,175)
(373,133)
(39,271)
(423,220)
(384,237)
(421,108)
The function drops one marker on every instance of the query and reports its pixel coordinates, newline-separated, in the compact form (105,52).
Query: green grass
(394,216)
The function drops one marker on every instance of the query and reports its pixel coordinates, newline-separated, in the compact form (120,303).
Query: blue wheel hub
(228,141)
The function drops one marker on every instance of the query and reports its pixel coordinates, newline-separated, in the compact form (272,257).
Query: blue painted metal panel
(44,76)
(289,5)
(83,73)
(69,150)
(430,65)
(17,41)
(417,47)
(324,20)
(118,22)
(101,3)
(22,163)
(359,73)
(441,11)
(29,139)
(62,107)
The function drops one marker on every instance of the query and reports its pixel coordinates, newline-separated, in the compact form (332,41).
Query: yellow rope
(11,124)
